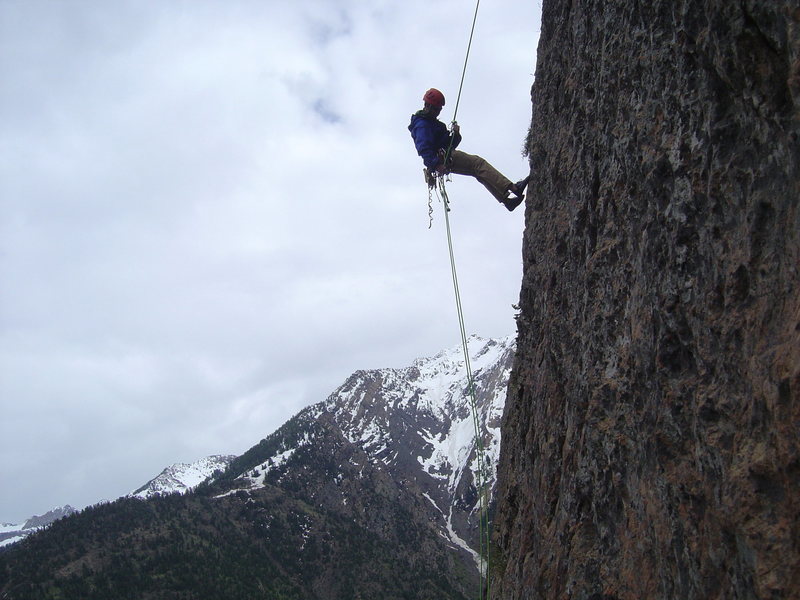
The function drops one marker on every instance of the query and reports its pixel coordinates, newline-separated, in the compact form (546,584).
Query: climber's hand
(440,166)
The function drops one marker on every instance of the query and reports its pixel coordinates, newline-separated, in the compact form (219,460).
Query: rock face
(651,434)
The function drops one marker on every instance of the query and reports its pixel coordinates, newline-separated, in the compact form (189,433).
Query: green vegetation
(306,535)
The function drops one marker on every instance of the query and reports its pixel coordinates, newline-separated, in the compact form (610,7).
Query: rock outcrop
(651,439)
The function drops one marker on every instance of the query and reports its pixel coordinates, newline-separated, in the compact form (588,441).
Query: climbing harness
(436,183)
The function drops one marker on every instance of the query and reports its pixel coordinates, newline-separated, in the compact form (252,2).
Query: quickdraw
(435,183)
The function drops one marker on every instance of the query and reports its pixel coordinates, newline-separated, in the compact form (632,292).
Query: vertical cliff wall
(650,441)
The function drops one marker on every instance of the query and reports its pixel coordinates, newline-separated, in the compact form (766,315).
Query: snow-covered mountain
(415,423)
(11,533)
(182,477)
(370,493)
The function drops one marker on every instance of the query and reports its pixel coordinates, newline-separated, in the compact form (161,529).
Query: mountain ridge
(177,478)
(182,477)
(370,491)
(11,533)
(369,411)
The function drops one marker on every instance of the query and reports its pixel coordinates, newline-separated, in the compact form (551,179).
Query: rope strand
(463,75)
(466,58)
(484,535)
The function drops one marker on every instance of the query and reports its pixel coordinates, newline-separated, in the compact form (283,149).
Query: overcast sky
(212,213)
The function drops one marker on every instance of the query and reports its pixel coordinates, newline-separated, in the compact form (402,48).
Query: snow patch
(258,475)
(461,543)
(182,477)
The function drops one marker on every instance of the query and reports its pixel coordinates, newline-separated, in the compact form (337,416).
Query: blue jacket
(430,135)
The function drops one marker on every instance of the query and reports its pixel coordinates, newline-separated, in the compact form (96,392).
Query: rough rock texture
(651,440)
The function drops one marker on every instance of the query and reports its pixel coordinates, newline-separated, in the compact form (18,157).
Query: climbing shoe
(513,202)
(518,189)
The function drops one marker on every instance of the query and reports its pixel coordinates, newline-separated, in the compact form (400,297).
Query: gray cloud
(212,213)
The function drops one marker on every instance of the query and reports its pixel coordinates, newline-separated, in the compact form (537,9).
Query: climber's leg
(477,167)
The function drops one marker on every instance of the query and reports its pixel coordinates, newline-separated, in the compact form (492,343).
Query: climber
(433,141)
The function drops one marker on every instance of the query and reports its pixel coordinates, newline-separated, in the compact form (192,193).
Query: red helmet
(434,97)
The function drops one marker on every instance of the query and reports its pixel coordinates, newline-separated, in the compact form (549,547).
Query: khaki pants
(493,180)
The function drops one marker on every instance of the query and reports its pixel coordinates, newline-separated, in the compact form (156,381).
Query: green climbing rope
(463,75)
(466,58)
(482,479)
